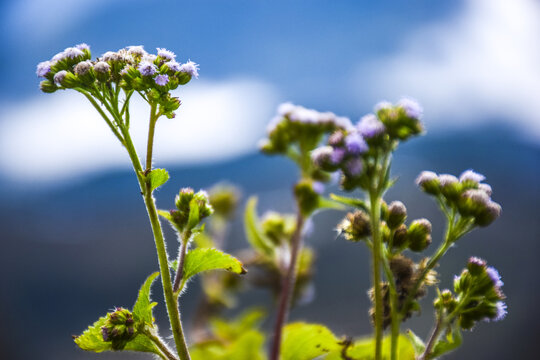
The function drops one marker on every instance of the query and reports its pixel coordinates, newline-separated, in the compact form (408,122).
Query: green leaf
(364,349)
(193,219)
(416,342)
(166,215)
(303,341)
(357,203)
(227,329)
(325,203)
(156,178)
(453,340)
(142,310)
(256,237)
(204,259)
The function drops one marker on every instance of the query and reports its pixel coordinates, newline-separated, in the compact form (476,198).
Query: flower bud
(85,72)
(470,179)
(400,237)
(370,127)
(336,139)
(489,214)
(224,200)
(66,79)
(119,328)
(397,213)
(355,226)
(278,227)
(476,266)
(450,186)
(419,235)
(47,86)
(103,71)
(428,181)
(306,197)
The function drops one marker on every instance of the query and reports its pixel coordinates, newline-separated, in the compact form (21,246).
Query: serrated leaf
(256,237)
(156,178)
(345,200)
(142,310)
(303,341)
(205,259)
(416,342)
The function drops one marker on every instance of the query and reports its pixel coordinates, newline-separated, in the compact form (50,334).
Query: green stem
(375,207)
(439,326)
(181,258)
(394,340)
(170,300)
(103,115)
(150,144)
(167,353)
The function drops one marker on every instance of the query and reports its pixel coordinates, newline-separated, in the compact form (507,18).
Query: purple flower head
(137,50)
(485,188)
(355,144)
(58,57)
(59,77)
(166,54)
(327,117)
(369,126)
(447,180)
(501,311)
(337,155)
(162,80)
(82,46)
(274,122)
(470,175)
(336,138)
(318,187)
(124,70)
(111,56)
(83,67)
(343,122)
(477,261)
(494,276)
(43,68)
(285,108)
(320,155)
(303,115)
(382,105)
(190,68)
(147,68)
(412,107)
(353,167)
(102,67)
(477,197)
(72,53)
(426,176)
(173,66)
(149,57)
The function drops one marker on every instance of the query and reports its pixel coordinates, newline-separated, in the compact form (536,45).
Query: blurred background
(75,239)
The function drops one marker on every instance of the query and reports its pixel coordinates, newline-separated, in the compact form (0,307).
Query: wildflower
(369,126)
(162,80)
(412,108)
(137,50)
(82,47)
(59,77)
(173,66)
(83,67)
(286,108)
(355,144)
(72,53)
(166,54)
(190,68)
(485,188)
(318,187)
(419,235)
(501,311)
(353,167)
(397,213)
(147,68)
(382,105)
(337,155)
(343,122)
(336,139)
(470,175)
(428,181)
(494,276)
(102,67)
(321,155)
(43,68)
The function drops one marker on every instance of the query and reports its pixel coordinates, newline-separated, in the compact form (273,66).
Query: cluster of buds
(468,194)
(224,200)
(192,208)
(350,149)
(119,328)
(296,125)
(406,274)
(279,228)
(131,68)
(478,295)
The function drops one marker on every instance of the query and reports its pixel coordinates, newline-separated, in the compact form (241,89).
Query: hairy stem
(151,128)
(181,257)
(162,346)
(375,209)
(287,288)
(394,340)
(435,333)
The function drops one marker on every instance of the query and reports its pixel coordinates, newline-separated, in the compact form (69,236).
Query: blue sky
(468,62)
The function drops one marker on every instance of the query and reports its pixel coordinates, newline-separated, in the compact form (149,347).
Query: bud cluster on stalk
(191,208)
(119,328)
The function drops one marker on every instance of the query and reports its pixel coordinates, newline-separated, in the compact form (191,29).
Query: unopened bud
(428,181)
(419,235)
(397,213)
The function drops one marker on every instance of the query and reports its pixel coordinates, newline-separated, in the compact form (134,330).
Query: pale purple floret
(425,177)
(382,105)
(58,57)
(494,276)
(321,154)
(43,68)
(147,68)
(166,54)
(501,311)
(190,68)
(343,122)
(162,80)
(355,144)
(327,117)
(353,167)
(59,77)
(82,46)
(303,115)
(337,155)
(447,179)
(369,126)
(470,175)
(173,66)
(285,108)
(274,122)
(102,67)
(124,70)
(412,107)
(73,53)
(137,50)
(478,197)
(477,261)
(485,188)
(318,187)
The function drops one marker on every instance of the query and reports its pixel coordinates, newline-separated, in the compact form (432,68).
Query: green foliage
(254,233)
(142,310)
(303,341)
(205,259)
(356,203)
(92,338)
(416,342)
(363,349)
(451,341)
(156,178)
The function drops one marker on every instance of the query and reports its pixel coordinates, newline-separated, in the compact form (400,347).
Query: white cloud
(61,136)
(483,63)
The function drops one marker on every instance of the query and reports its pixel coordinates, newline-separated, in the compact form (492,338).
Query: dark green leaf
(157,177)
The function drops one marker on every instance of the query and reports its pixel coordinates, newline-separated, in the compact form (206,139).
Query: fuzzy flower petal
(162,80)
(147,68)
(190,68)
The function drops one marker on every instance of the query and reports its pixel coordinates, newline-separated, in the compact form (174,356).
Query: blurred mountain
(73,252)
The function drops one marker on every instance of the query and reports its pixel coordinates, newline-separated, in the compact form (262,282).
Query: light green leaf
(142,343)
(193,219)
(227,329)
(325,203)
(364,349)
(142,310)
(204,259)
(166,215)
(453,340)
(157,177)
(256,237)
(357,203)
(303,341)
(416,342)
